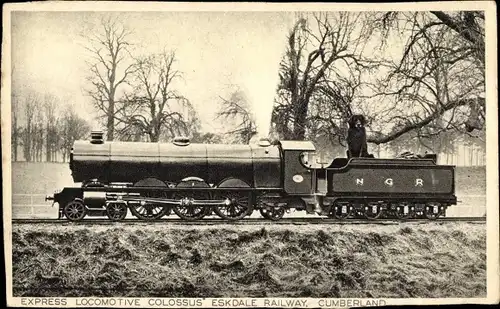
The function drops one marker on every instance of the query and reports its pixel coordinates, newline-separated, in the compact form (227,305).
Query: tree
(237,110)
(154,107)
(438,83)
(206,138)
(108,70)
(323,51)
(433,84)
(16,130)
(470,26)
(51,131)
(31,102)
(38,132)
(72,128)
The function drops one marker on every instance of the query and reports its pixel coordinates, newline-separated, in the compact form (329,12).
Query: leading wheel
(237,207)
(116,211)
(75,210)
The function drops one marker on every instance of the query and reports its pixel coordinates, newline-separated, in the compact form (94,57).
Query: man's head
(357,121)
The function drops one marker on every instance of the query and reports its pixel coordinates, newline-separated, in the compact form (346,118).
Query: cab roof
(297,145)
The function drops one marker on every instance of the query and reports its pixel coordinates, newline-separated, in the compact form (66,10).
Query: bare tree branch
(108,48)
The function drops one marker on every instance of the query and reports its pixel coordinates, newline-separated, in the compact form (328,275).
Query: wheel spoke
(148,211)
(191,212)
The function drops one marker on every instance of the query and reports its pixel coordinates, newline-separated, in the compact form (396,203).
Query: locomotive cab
(297,175)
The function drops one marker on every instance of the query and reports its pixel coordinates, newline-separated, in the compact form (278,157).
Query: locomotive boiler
(152,180)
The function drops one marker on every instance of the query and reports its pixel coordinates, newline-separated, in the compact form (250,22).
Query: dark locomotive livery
(153,180)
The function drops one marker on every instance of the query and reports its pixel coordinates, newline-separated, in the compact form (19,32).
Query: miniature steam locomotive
(152,180)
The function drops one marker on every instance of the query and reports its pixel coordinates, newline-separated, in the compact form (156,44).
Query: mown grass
(470,180)
(40,177)
(408,260)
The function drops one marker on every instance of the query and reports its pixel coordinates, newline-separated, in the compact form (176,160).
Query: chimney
(96,137)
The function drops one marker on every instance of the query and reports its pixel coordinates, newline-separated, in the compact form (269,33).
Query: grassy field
(407,260)
(470,180)
(40,178)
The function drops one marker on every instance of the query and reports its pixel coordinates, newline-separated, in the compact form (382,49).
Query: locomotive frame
(282,179)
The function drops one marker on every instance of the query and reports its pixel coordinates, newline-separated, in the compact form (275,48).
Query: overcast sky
(214,49)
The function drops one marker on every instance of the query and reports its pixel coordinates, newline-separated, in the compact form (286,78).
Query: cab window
(307,158)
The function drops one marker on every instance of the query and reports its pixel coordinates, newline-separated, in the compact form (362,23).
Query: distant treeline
(43,129)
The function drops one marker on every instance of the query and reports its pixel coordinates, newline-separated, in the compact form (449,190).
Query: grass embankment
(409,260)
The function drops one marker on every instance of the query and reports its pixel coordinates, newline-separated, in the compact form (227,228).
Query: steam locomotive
(153,180)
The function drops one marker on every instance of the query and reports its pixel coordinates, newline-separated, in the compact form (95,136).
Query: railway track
(250,221)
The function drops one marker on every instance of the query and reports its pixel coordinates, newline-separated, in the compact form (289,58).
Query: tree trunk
(464,154)
(48,151)
(111,120)
(471,155)
(299,126)
(154,137)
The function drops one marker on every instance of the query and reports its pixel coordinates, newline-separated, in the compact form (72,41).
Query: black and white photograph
(249,155)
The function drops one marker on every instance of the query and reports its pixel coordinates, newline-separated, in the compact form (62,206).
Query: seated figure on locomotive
(356,138)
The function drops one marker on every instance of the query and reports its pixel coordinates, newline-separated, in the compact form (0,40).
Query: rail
(249,221)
